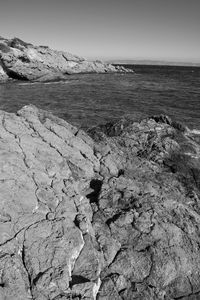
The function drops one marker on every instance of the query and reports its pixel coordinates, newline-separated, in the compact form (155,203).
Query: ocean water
(89,99)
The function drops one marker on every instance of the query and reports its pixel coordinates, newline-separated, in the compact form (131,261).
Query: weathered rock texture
(20,60)
(110,215)
(3,75)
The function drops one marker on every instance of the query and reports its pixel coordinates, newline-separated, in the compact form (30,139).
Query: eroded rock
(24,61)
(109,214)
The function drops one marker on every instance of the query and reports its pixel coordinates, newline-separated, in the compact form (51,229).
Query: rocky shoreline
(113,213)
(23,61)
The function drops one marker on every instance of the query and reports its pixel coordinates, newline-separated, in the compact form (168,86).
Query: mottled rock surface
(109,214)
(24,61)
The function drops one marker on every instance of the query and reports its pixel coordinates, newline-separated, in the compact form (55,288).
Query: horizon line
(123,60)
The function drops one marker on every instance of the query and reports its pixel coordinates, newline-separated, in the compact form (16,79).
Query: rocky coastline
(111,213)
(23,61)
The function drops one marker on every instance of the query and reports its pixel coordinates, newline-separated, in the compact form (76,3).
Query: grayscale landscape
(99,150)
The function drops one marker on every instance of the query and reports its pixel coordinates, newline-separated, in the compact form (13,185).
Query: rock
(24,61)
(88,264)
(38,208)
(3,75)
(113,213)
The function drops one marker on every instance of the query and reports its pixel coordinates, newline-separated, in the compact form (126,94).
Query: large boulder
(25,61)
(109,214)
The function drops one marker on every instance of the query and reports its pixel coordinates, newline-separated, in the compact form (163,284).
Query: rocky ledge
(24,61)
(113,213)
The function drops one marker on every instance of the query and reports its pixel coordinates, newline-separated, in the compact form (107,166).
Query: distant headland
(24,61)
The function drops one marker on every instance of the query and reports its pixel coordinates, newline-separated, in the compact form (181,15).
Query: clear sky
(108,29)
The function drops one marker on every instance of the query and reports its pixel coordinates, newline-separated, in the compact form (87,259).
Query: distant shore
(153,63)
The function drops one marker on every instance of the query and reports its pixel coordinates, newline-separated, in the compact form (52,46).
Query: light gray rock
(24,61)
(42,178)
(3,75)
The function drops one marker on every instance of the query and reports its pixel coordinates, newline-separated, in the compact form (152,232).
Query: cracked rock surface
(113,213)
(24,61)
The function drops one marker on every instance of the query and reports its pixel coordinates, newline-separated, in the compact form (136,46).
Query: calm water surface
(87,100)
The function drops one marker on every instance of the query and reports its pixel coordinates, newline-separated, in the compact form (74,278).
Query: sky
(166,30)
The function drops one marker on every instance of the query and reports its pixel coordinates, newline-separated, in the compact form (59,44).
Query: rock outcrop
(24,61)
(3,75)
(109,214)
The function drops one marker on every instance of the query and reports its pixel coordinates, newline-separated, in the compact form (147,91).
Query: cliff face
(24,61)
(112,214)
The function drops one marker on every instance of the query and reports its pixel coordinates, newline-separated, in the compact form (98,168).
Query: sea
(86,100)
